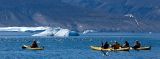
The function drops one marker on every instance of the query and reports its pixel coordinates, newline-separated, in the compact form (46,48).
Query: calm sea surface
(78,47)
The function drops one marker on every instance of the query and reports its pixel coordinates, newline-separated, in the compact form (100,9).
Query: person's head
(34,41)
(106,42)
(137,41)
(126,42)
(115,41)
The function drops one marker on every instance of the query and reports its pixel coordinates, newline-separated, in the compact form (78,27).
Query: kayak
(120,49)
(99,48)
(143,48)
(109,49)
(28,47)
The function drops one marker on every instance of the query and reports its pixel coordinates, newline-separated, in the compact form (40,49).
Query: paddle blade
(23,47)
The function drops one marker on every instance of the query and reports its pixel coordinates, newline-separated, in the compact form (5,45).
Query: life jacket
(116,46)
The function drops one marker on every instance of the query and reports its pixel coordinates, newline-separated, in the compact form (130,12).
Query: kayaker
(126,44)
(137,44)
(34,44)
(106,45)
(116,45)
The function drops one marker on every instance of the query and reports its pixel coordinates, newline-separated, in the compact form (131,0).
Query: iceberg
(62,33)
(57,32)
(73,33)
(47,32)
(88,31)
(22,29)
(42,31)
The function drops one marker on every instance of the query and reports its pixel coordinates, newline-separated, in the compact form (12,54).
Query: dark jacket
(34,44)
(137,45)
(126,44)
(106,45)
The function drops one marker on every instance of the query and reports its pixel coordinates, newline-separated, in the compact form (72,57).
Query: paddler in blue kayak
(126,44)
(137,44)
(34,44)
(116,45)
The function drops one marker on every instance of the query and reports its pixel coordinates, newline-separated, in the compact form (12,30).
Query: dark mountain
(100,15)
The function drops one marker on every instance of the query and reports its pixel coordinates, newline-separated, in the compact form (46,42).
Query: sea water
(78,47)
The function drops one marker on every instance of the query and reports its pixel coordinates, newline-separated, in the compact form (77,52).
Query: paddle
(101,44)
(104,53)
(28,41)
(129,52)
(40,44)
(150,45)
(23,47)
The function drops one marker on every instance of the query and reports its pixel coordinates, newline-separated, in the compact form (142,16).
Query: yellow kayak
(143,48)
(28,47)
(109,49)
(120,49)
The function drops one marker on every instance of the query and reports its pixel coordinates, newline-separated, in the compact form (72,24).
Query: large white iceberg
(57,32)
(48,32)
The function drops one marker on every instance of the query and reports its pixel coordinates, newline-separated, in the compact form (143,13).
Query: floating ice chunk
(22,29)
(73,33)
(88,31)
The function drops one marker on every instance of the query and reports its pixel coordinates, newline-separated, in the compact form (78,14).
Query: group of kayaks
(98,48)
